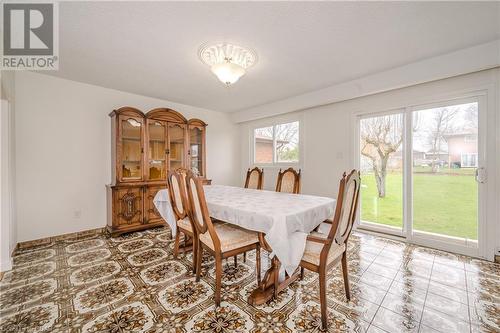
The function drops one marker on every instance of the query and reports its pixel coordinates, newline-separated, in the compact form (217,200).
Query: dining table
(282,221)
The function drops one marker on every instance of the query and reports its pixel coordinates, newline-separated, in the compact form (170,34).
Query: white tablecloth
(286,219)
(162,204)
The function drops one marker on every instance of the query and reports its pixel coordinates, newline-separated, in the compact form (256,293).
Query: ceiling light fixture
(227,61)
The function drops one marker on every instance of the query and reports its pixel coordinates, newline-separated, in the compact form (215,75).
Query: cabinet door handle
(167,151)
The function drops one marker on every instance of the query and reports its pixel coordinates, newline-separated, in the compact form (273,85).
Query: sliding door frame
(372,226)
(407,233)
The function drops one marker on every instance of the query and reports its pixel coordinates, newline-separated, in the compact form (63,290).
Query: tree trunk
(380,175)
(434,166)
(380,185)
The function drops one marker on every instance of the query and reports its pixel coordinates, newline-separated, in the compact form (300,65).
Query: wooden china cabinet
(144,146)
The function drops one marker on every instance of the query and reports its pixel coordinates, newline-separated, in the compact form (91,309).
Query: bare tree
(441,124)
(380,138)
(286,137)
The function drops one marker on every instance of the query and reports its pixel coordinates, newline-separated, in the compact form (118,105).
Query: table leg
(270,285)
(265,290)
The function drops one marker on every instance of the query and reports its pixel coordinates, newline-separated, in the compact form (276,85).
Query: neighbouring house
(462,153)
(264,148)
(462,149)
(396,160)
(439,157)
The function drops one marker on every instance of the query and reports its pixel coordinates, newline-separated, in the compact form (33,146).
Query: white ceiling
(151,48)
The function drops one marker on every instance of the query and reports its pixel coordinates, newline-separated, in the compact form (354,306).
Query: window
(277,144)
(470,138)
(469,160)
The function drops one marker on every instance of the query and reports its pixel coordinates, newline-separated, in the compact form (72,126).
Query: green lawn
(444,203)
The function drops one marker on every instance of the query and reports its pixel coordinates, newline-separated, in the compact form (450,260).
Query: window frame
(275,162)
(467,157)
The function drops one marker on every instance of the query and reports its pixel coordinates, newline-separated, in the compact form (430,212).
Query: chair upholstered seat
(185,224)
(312,251)
(231,237)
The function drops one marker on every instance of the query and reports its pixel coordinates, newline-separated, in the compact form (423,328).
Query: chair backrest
(182,170)
(345,212)
(288,181)
(198,210)
(178,195)
(255,178)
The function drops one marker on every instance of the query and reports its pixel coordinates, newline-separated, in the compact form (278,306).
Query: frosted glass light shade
(229,62)
(227,72)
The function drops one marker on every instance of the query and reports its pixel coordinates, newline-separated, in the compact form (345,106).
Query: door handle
(480,175)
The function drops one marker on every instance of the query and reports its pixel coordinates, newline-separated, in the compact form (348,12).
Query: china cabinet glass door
(196,147)
(131,152)
(157,148)
(176,150)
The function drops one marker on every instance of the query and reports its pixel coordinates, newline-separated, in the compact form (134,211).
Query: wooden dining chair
(178,198)
(288,181)
(255,178)
(220,240)
(324,251)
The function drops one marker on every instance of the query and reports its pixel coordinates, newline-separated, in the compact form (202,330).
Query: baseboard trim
(58,238)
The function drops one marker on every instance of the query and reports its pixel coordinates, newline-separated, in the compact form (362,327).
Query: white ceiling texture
(150,48)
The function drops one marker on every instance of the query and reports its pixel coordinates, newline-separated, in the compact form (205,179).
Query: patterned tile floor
(132,284)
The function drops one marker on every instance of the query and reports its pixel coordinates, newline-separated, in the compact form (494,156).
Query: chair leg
(236,261)
(176,245)
(218,279)
(195,253)
(257,262)
(184,242)
(345,272)
(322,298)
(302,273)
(199,256)
(244,257)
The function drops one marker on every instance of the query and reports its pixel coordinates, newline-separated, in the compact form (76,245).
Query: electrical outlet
(77,214)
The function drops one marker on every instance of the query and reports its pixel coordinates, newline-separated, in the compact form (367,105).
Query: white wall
(322,149)
(63,151)
(8,230)
(464,61)
(328,137)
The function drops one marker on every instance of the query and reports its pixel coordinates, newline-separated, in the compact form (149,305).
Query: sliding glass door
(445,162)
(421,174)
(381,165)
